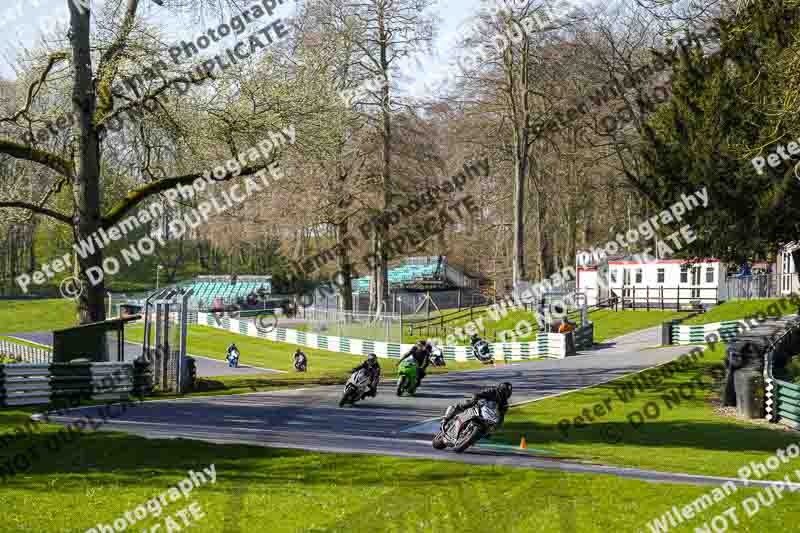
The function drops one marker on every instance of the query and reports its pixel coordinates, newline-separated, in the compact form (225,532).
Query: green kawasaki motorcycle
(407,376)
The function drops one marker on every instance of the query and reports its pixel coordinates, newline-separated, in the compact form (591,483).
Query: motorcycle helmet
(372,359)
(505,389)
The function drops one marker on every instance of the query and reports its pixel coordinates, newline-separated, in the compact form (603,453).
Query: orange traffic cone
(523,444)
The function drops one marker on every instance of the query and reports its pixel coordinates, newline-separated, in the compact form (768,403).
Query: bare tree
(96,104)
(384,32)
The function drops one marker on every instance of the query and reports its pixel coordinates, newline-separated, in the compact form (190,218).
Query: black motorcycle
(300,362)
(468,427)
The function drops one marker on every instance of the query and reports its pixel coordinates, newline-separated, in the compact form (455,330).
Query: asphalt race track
(310,419)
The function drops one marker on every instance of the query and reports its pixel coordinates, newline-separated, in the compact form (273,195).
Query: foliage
(736,309)
(727,108)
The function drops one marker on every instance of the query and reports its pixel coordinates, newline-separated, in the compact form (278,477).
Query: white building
(788,281)
(652,283)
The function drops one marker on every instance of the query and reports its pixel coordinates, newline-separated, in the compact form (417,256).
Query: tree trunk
(91,306)
(343,264)
(520,105)
(545,239)
(518,264)
(30,243)
(382,267)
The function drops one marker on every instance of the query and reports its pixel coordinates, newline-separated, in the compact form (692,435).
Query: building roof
(631,260)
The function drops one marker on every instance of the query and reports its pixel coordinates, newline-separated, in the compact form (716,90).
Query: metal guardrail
(25,353)
(782,398)
(27,384)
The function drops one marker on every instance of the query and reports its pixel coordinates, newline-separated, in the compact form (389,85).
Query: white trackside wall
(546,345)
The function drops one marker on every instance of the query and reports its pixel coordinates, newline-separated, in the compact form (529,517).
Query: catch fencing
(408,302)
(385,327)
(25,353)
(752,287)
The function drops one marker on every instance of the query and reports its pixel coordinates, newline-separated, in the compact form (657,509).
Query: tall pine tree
(729,106)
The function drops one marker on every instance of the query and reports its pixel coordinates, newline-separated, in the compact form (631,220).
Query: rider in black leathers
(232,348)
(421,352)
(299,358)
(371,365)
(499,395)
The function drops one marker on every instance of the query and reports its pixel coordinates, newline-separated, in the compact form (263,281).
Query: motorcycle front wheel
(401,384)
(347,397)
(438,442)
(470,436)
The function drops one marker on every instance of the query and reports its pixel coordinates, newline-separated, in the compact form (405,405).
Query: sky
(22,23)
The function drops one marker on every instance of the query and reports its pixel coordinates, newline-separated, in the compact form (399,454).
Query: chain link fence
(385,328)
(408,302)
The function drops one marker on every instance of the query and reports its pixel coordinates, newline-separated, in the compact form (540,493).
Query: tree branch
(29,153)
(107,67)
(137,196)
(38,209)
(33,90)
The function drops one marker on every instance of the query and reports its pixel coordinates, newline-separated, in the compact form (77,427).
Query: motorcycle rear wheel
(471,436)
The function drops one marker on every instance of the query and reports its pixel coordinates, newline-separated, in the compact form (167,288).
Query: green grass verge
(19,316)
(324,367)
(685,436)
(740,309)
(98,477)
(609,324)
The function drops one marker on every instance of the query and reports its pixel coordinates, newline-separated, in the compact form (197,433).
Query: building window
(684,273)
(660,275)
(613,275)
(709,274)
(638,275)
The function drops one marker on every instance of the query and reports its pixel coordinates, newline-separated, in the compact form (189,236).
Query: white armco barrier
(546,345)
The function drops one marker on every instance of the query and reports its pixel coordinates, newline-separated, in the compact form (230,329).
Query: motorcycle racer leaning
(421,352)
(374,369)
(499,394)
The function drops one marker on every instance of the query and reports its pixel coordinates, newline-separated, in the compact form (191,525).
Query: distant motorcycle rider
(479,347)
(421,352)
(300,360)
(372,366)
(499,394)
(233,355)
